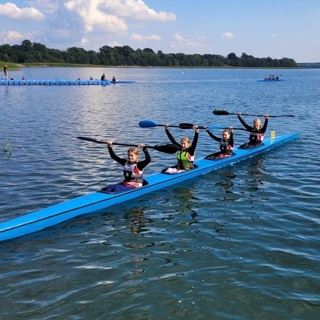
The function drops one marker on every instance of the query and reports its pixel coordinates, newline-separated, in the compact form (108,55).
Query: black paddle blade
(191,125)
(91,140)
(186,125)
(166,148)
(221,112)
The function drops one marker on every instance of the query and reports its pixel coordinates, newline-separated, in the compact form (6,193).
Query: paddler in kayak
(186,154)
(132,169)
(256,131)
(226,144)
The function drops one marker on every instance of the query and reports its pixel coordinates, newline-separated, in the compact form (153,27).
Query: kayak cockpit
(218,156)
(104,189)
(175,171)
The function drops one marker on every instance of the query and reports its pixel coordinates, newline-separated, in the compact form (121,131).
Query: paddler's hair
(134,150)
(186,140)
(259,122)
(228,131)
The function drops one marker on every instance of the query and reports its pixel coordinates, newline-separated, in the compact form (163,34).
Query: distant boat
(267,79)
(122,81)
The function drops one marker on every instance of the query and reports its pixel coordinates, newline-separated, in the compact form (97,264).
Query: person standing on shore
(5,71)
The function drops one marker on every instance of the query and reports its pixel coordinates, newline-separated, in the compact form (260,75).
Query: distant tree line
(29,52)
(308,65)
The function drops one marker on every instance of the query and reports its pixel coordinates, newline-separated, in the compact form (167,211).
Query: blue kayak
(270,80)
(55,82)
(96,201)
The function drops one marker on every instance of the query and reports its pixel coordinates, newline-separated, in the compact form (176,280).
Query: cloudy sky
(273,28)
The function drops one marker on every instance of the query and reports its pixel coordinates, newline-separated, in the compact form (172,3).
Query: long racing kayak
(96,201)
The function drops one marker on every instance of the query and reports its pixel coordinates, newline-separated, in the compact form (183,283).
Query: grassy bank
(11,66)
(60,65)
(16,66)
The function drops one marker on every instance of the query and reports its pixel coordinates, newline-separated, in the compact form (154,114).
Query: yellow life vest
(185,160)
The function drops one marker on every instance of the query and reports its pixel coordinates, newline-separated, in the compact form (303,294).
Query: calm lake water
(238,243)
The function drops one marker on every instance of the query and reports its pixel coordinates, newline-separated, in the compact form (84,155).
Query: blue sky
(273,28)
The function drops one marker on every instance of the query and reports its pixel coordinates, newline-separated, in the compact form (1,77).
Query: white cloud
(86,22)
(84,41)
(182,42)
(10,37)
(93,18)
(14,37)
(178,37)
(273,35)
(46,6)
(141,38)
(228,35)
(89,18)
(114,44)
(11,11)
(108,15)
(135,9)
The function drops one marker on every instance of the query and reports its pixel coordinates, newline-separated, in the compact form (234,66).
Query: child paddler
(256,132)
(186,154)
(132,169)
(226,144)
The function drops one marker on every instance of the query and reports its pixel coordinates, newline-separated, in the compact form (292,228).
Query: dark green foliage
(308,65)
(29,52)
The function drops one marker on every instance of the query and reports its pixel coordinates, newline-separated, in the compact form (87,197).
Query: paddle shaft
(190,126)
(226,113)
(166,148)
(151,124)
(261,115)
(104,142)
(181,125)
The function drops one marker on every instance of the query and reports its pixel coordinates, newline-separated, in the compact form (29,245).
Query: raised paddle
(226,113)
(166,148)
(151,124)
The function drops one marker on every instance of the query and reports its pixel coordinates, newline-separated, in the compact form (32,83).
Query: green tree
(126,56)
(26,45)
(232,56)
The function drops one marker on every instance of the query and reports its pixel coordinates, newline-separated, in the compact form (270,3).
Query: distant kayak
(270,80)
(122,81)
